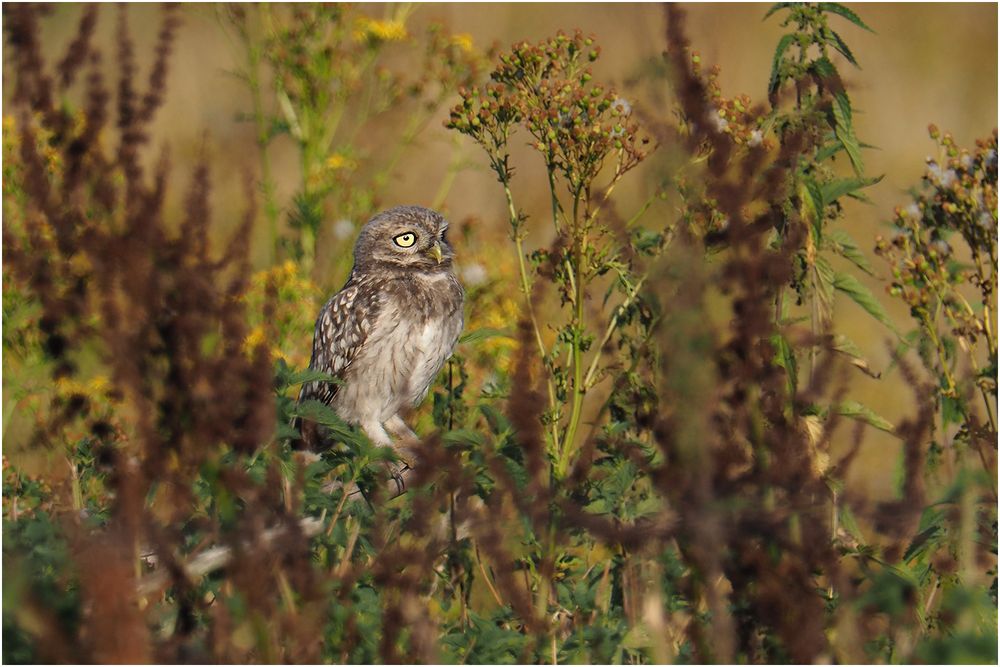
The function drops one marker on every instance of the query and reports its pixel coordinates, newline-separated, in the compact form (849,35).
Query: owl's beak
(435,252)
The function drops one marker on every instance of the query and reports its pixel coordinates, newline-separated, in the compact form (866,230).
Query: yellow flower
(340,161)
(255,338)
(99,384)
(463,41)
(67,386)
(379,30)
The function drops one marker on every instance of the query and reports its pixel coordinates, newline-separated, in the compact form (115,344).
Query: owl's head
(405,236)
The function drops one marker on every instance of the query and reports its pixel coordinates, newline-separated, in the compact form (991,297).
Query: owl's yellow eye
(405,240)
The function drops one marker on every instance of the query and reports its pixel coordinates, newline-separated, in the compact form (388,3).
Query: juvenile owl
(389,330)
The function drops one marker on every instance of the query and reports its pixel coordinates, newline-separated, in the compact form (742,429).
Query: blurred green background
(925,63)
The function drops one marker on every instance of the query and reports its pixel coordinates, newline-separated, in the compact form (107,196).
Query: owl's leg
(406,440)
(397,472)
(376,433)
(398,428)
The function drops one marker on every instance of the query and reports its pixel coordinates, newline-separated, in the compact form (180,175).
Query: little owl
(388,331)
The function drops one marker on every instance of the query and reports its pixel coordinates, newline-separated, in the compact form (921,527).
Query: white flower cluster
(943,177)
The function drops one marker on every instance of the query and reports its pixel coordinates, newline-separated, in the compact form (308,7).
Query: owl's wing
(341,329)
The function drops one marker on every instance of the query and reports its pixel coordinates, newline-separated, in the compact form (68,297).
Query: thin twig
(218,557)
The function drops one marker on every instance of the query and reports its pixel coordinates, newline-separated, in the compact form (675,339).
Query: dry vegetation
(639,457)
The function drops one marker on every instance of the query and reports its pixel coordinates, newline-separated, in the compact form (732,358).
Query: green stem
(554,198)
(579,243)
(609,331)
(987,318)
(515,223)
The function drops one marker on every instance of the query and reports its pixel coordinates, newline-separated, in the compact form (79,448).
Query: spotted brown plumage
(386,334)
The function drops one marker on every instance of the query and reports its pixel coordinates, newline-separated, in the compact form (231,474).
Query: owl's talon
(396,474)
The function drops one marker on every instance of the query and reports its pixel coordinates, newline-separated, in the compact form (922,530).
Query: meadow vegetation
(637,454)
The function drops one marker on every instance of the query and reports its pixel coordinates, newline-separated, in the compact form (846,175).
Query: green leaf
(310,375)
(824,280)
(775,7)
(323,414)
(783,44)
(482,334)
(285,432)
(829,150)
(850,524)
(862,296)
(848,348)
(814,202)
(464,436)
(952,410)
(841,10)
(841,243)
(855,410)
(842,111)
(836,42)
(824,68)
(845,131)
(834,190)
(785,357)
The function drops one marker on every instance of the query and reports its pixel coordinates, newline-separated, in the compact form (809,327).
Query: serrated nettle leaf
(812,200)
(309,375)
(464,437)
(853,149)
(844,186)
(861,295)
(841,10)
(285,432)
(776,7)
(834,40)
(842,110)
(824,68)
(779,52)
(860,197)
(841,243)
(856,410)
(845,131)
(824,278)
(785,357)
(322,414)
(829,149)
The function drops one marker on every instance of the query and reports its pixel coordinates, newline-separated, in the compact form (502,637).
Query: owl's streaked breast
(418,323)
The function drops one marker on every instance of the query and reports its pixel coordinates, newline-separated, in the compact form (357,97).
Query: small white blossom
(756,137)
(622,106)
(987,221)
(943,177)
(901,233)
(941,247)
(719,121)
(474,274)
(913,211)
(343,229)
(966,161)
